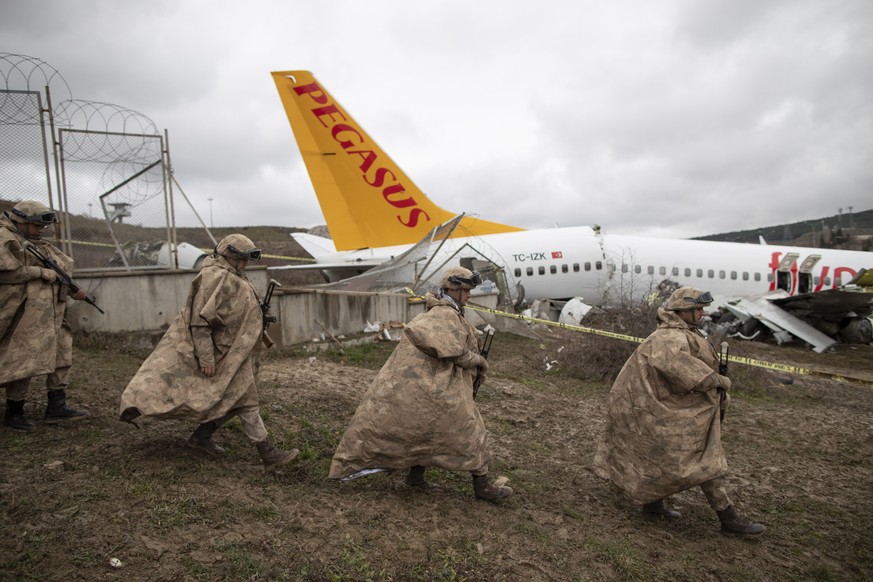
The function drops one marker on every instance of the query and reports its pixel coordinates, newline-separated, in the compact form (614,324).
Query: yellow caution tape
(590,330)
(89,243)
(207,251)
(740,360)
(284,258)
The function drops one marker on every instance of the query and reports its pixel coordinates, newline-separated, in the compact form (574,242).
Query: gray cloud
(671,117)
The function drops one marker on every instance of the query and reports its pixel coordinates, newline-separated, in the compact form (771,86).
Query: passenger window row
(650,270)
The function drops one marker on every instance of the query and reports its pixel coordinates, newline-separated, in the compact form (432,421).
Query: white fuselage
(580,262)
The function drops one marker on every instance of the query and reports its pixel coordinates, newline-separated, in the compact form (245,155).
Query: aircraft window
(650,270)
(721,274)
(598,265)
(553,269)
(517,272)
(757,276)
(624,268)
(815,280)
(530,271)
(610,266)
(675,271)
(700,273)
(638,269)
(587,266)
(564,268)
(827,282)
(734,275)
(838,280)
(711,274)
(745,276)
(662,271)
(575,267)
(542,270)
(687,272)
(769,277)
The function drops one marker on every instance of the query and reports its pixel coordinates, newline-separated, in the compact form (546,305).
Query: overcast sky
(653,117)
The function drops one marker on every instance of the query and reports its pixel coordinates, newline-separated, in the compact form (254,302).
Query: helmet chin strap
(444,294)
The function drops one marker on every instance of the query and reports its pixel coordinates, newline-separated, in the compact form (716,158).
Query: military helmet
(685,298)
(459,278)
(33,212)
(238,246)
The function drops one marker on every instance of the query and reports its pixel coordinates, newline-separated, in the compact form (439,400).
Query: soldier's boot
(484,489)
(14,417)
(733,524)
(57,410)
(273,457)
(202,439)
(659,509)
(415,478)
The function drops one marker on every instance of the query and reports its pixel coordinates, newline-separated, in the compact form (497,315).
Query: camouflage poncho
(169,383)
(34,337)
(420,410)
(661,437)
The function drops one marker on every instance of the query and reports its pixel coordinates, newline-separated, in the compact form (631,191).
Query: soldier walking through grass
(419,412)
(663,428)
(205,367)
(35,337)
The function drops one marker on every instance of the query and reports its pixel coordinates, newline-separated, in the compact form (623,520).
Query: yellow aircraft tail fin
(367,200)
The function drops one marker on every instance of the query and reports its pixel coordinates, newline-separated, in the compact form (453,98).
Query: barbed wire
(25,73)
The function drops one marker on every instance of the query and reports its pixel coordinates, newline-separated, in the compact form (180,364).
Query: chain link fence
(104,168)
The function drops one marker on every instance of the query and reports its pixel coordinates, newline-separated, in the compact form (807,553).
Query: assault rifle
(265,309)
(63,277)
(483,351)
(722,369)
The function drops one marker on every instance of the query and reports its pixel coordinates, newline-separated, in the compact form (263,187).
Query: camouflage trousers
(58,380)
(716,494)
(251,421)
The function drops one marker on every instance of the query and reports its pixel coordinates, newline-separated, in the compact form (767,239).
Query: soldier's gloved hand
(481,377)
(713,382)
(32,273)
(483,365)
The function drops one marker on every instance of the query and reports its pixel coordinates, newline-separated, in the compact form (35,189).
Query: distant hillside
(844,231)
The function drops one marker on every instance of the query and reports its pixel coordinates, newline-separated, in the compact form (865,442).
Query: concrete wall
(310,314)
(143,304)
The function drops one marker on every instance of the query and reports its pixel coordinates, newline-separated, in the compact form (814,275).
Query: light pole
(211,223)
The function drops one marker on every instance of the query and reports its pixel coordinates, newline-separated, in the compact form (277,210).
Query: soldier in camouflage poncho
(419,411)
(35,338)
(205,367)
(663,433)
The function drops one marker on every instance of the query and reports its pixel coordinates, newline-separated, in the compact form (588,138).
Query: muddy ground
(73,497)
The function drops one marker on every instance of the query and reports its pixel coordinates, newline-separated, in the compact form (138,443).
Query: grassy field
(73,497)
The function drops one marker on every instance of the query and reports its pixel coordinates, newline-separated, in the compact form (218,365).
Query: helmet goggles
(252,255)
(474,281)
(44,218)
(701,300)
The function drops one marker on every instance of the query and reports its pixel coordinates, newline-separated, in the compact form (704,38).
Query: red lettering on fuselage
(774,266)
(353,143)
(822,275)
(838,275)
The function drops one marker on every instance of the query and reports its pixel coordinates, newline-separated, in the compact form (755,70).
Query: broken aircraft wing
(779,320)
